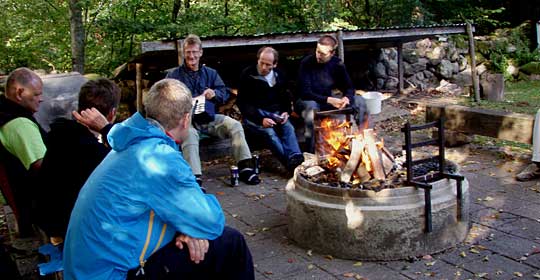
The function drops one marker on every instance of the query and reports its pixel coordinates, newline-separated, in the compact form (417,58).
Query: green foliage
(35,33)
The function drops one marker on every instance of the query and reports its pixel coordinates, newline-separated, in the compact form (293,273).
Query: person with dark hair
(22,147)
(265,105)
(75,148)
(209,91)
(319,75)
(141,213)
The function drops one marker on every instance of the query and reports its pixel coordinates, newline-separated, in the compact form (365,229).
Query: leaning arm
(23,140)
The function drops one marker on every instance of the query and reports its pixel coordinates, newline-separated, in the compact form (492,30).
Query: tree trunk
(77,36)
(176,9)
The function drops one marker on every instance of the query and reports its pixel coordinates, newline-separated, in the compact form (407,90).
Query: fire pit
(347,220)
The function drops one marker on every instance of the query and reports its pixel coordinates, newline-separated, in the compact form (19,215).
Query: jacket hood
(134,130)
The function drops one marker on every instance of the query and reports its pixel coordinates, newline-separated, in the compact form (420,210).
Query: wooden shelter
(230,54)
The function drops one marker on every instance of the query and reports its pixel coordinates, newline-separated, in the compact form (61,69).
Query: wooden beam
(139,85)
(180,51)
(472,54)
(341,49)
(400,67)
(496,124)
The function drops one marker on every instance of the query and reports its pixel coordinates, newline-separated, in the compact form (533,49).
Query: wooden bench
(497,124)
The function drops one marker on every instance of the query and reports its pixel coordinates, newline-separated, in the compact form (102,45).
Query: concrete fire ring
(368,225)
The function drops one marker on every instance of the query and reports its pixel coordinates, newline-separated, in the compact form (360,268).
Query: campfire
(347,153)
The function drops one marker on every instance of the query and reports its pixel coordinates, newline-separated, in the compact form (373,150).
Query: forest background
(96,36)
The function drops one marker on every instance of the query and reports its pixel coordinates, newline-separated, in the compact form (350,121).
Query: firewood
(362,173)
(369,138)
(356,152)
(388,163)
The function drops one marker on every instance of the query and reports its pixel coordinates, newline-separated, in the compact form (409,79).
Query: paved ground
(503,243)
(504,240)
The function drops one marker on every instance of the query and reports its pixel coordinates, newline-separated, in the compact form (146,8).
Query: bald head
(25,88)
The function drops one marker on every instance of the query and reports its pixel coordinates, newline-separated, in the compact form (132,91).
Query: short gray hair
(167,102)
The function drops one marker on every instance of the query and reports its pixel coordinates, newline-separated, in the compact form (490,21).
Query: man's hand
(338,103)
(267,122)
(209,93)
(197,247)
(285,117)
(91,118)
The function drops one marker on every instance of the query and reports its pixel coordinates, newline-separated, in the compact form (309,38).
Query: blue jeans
(281,139)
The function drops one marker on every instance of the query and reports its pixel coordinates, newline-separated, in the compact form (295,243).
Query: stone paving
(503,243)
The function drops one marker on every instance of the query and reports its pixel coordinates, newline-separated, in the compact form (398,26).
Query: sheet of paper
(198,104)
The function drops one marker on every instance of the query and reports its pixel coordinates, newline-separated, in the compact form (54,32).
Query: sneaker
(530,173)
(295,160)
(248,176)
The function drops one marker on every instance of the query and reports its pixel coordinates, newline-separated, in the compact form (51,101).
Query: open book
(198,104)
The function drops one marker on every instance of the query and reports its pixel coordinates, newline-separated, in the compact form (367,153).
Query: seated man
(205,82)
(318,76)
(74,151)
(265,105)
(144,193)
(22,147)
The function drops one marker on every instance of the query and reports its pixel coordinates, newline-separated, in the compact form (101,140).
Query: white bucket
(373,101)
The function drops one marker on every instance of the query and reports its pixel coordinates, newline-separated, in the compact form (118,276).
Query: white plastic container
(373,101)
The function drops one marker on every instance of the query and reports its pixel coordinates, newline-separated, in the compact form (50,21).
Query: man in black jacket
(74,149)
(265,105)
(320,75)
(22,147)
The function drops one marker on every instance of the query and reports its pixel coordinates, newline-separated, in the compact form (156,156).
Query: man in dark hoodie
(265,105)
(74,149)
(207,88)
(22,147)
(319,75)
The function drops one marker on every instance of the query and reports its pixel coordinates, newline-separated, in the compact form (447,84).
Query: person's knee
(192,138)
(234,126)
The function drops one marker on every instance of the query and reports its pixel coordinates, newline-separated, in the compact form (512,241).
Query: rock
(437,53)
(380,83)
(391,83)
(463,78)
(423,46)
(463,62)
(449,88)
(380,71)
(392,68)
(481,69)
(410,56)
(446,69)
(455,67)
(512,70)
(419,76)
(531,68)
(434,62)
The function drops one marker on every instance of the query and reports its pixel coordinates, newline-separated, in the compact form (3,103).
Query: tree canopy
(36,33)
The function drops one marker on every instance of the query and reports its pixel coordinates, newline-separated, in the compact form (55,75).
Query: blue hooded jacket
(133,204)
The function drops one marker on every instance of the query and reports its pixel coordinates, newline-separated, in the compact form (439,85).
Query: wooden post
(138,84)
(538,34)
(400,66)
(179,47)
(476,85)
(341,49)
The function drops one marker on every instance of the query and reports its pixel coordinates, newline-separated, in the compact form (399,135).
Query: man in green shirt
(22,146)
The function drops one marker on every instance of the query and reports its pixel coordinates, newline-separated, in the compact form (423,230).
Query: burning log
(373,153)
(356,154)
(363,173)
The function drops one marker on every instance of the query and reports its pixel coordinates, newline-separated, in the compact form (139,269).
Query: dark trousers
(228,257)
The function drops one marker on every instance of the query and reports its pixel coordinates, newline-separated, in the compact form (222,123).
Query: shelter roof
(161,55)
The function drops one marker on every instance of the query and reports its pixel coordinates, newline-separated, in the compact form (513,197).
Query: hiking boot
(295,160)
(530,173)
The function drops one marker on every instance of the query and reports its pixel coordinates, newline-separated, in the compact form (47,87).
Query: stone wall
(426,63)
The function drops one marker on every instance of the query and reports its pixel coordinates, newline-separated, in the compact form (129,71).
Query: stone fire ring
(368,225)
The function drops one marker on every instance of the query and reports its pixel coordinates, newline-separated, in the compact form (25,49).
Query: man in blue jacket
(142,196)
(318,77)
(205,82)
(265,104)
